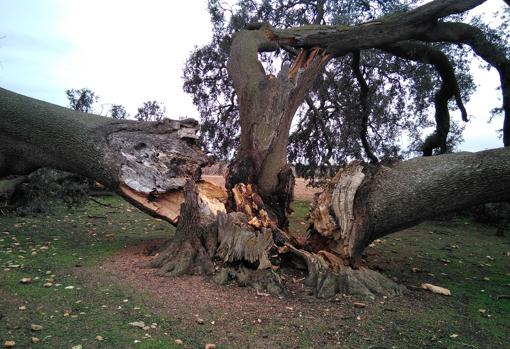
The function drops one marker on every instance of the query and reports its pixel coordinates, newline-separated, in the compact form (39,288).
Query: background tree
(118,111)
(151,111)
(82,100)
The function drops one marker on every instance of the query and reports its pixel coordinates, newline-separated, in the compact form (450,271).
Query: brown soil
(301,191)
(235,316)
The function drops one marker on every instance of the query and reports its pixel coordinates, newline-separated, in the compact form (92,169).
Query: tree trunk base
(264,281)
(179,258)
(188,253)
(327,279)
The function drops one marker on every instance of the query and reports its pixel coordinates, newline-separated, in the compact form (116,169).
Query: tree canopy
(365,100)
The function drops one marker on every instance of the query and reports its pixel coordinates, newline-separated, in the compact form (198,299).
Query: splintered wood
(167,205)
(250,203)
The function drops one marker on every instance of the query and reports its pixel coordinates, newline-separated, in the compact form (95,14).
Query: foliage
(118,111)
(151,111)
(82,100)
(326,131)
(45,186)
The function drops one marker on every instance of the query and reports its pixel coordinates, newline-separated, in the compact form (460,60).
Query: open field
(89,256)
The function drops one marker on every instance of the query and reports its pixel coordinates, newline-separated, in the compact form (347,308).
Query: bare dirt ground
(301,191)
(241,317)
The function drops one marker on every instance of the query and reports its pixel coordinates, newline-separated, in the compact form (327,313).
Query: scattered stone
(69,288)
(210,346)
(490,258)
(35,340)
(178,342)
(436,289)
(48,284)
(25,280)
(34,327)
(455,335)
(9,344)
(99,338)
(483,312)
(22,307)
(200,321)
(359,305)
(486,279)
(77,346)
(415,270)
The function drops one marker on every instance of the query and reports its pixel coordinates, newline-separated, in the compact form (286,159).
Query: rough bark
(146,163)
(365,202)
(267,106)
(194,244)
(340,40)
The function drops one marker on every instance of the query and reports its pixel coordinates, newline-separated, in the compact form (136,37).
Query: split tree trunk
(146,163)
(267,106)
(364,202)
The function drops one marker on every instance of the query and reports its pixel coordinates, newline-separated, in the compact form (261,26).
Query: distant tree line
(85,99)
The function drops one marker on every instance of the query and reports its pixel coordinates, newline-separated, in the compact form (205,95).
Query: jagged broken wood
(365,202)
(147,163)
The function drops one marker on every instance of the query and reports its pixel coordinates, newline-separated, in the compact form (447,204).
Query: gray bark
(147,163)
(366,202)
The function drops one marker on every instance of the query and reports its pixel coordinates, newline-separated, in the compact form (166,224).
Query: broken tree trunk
(365,202)
(147,163)
(267,106)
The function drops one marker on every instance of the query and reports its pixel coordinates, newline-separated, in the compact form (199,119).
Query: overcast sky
(129,52)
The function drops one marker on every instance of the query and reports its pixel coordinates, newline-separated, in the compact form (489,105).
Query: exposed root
(327,277)
(186,257)
(265,281)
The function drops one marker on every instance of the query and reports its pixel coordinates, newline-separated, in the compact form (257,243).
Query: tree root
(185,258)
(327,279)
(186,253)
(265,281)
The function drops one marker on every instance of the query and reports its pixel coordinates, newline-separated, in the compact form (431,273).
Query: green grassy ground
(465,257)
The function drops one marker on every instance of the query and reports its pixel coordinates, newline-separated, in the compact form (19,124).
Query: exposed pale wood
(212,200)
(239,241)
(364,202)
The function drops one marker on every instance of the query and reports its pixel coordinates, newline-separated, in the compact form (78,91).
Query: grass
(463,256)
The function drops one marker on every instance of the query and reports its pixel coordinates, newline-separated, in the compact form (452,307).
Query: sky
(131,51)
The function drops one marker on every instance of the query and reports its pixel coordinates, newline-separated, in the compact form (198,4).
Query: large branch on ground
(147,163)
(449,88)
(340,40)
(365,202)
(488,51)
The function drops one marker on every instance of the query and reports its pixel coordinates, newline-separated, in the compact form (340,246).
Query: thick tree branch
(449,88)
(491,53)
(147,163)
(365,202)
(340,40)
(365,111)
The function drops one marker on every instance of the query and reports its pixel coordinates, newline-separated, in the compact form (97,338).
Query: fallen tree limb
(147,163)
(365,202)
